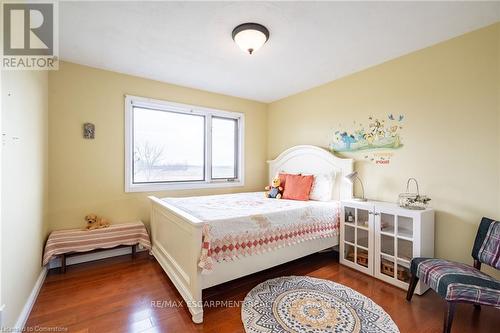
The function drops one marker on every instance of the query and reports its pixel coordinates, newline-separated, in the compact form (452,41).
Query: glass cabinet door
(357,237)
(404,247)
(394,244)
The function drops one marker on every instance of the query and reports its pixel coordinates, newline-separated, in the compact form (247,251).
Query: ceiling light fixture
(250,36)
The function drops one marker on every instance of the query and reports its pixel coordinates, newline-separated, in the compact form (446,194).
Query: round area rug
(306,304)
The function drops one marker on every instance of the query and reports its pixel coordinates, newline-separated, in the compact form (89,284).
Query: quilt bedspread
(243,224)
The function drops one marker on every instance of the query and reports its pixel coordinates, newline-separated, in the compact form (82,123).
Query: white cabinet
(380,239)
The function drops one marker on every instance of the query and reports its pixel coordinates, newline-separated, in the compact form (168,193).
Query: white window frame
(130,186)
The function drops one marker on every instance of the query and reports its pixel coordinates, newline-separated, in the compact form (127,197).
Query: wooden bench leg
(63,263)
(133,251)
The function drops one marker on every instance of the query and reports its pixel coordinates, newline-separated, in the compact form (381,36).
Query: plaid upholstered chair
(460,283)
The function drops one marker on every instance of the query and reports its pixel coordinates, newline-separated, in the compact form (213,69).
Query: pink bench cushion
(77,240)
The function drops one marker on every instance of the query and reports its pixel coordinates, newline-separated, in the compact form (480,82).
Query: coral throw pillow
(282,176)
(298,187)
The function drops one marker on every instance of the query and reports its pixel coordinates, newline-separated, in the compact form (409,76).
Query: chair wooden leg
(133,251)
(411,287)
(448,316)
(477,265)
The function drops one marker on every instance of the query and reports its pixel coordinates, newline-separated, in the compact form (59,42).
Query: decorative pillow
(322,187)
(282,175)
(298,187)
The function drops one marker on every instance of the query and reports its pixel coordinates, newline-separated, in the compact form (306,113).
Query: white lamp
(250,36)
(352,178)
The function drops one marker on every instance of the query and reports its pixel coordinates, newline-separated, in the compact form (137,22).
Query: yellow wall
(449,94)
(88,175)
(24,186)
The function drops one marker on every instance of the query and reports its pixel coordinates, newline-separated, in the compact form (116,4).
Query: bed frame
(177,235)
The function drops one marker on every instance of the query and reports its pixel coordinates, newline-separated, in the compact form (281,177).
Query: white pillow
(322,187)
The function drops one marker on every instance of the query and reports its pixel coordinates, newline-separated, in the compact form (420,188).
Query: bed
(201,242)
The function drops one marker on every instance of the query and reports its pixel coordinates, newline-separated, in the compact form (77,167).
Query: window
(224,148)
(176,146)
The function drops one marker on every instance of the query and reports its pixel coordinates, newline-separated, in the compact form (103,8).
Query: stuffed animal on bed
(95,222)
(274,190)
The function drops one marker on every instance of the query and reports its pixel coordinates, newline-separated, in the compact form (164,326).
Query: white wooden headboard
(307,159)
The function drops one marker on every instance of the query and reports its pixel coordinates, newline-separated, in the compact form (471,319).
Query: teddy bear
(274,190)
(95,222)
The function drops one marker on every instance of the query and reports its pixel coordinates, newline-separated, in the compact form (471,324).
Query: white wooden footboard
(177,238)
(177,242)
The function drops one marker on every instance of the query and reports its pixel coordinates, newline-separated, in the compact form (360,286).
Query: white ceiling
(311,43)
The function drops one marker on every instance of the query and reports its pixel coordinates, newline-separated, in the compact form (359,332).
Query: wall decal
(379,157)
(376,138)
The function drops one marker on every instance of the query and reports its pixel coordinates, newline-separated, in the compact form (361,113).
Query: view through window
(172,145)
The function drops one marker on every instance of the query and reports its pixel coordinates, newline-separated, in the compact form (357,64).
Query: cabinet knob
(376,214)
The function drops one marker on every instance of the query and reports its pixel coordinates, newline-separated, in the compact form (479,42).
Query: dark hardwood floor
(130,295)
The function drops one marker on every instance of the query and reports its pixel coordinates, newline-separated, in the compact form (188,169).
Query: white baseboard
(23,316)
(85,257)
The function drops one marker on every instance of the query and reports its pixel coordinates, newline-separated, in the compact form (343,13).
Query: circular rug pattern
(306,304)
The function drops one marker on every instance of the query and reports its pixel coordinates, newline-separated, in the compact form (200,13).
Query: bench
(71,242)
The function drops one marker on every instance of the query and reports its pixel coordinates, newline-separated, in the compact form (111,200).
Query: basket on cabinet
(413,200)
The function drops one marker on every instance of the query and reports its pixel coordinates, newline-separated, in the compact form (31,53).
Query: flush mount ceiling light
(250,36)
